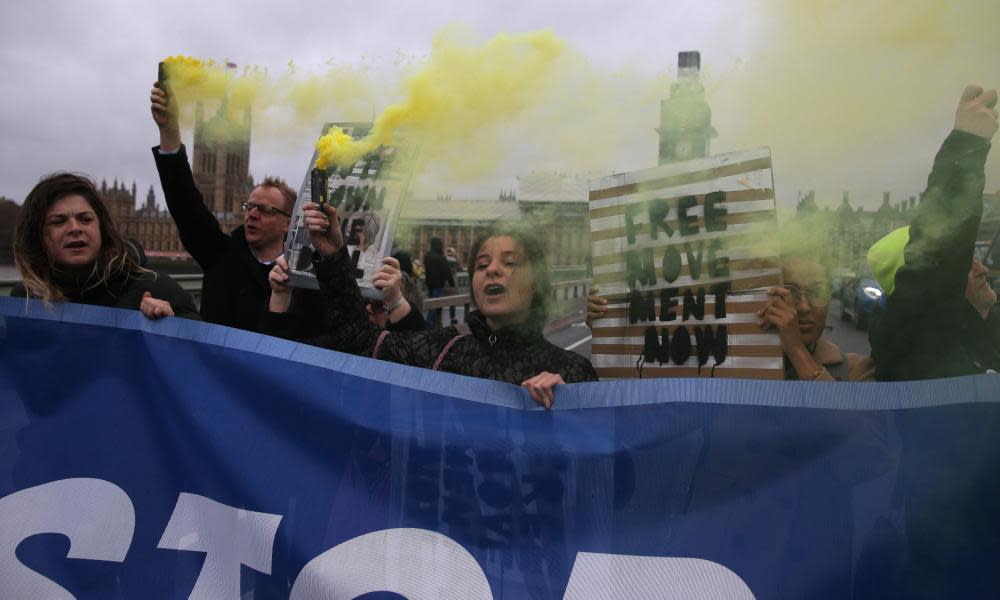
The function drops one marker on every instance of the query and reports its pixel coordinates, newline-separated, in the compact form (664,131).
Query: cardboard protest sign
(684,253)
(368,197)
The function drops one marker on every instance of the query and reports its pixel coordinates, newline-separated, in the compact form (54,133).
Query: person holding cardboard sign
(797,312)
(502,340)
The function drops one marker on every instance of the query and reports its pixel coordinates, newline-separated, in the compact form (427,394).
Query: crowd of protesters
(940,318)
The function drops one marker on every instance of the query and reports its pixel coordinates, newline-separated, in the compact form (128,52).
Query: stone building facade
(220,164)
(8,218)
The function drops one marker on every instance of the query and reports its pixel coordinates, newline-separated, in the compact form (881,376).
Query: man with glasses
(797,312)
(235,289)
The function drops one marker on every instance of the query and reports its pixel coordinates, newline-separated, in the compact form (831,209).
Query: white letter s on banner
(97,516)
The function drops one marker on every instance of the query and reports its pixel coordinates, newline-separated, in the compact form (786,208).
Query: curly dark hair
(534,252)
(34,262)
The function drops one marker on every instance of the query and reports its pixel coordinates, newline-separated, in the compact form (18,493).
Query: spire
(685,117)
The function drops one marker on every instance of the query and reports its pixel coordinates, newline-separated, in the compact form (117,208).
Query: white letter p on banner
(625,577)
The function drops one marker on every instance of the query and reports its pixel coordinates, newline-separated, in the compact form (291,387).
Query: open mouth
(494,289)
(76,245)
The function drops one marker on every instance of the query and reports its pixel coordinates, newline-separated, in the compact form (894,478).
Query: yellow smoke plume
(293,104)
(192,79)
(461,91)
(480,111)
(855,93)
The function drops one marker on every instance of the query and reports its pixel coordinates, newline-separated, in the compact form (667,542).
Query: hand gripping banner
(176,459)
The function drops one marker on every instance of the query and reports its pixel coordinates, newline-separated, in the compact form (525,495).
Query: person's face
(813,293)
(502,281)
(265,229)
(72,233)
(978,291)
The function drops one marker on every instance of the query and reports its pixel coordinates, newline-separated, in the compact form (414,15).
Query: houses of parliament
(221,172)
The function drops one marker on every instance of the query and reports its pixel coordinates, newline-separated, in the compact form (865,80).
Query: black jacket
(947,499)
(928,329)
(437,270)
(235,290)
(125,291)
(511,354)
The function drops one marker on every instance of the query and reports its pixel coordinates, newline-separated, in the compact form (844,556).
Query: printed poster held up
(368,197)
(684,253)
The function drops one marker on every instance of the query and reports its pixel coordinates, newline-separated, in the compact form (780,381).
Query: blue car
(858,298)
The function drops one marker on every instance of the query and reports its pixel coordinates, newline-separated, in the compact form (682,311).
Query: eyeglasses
(818,295)
(264,209)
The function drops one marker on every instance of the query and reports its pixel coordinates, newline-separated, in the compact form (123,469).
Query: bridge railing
(569,298)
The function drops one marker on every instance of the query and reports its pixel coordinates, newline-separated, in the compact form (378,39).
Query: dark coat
(437,270)
(928,329)
(235,291)
(511,354)
(126,291)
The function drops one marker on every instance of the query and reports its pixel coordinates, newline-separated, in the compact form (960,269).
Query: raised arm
(943,233)
(199,229)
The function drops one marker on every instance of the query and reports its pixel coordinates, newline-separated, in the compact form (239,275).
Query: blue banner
(176,459)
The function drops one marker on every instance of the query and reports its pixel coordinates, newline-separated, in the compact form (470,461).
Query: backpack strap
(463,330)
(378,344)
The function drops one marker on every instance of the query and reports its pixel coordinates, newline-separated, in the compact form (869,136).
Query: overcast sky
(855,99)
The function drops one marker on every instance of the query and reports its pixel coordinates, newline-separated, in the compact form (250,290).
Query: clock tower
(685,117)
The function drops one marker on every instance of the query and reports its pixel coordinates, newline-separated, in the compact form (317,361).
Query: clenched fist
(976,113)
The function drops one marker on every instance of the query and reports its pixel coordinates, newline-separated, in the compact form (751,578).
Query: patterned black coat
(511,354)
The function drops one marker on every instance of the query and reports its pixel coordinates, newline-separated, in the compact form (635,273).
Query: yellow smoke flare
(192,78)
(289,104)
(462,90)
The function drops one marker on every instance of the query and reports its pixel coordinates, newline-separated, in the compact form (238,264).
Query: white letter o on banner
(415,563)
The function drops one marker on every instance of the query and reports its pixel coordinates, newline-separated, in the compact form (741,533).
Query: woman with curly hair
(68,250)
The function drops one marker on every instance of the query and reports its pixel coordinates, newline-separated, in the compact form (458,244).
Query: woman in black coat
(68,250)
(502,340)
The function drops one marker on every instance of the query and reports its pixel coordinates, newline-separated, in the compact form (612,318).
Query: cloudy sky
(853,98)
